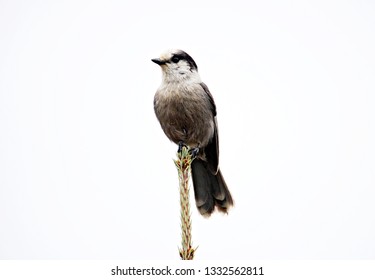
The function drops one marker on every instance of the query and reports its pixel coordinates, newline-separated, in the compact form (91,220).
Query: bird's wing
(212,149)
(210,97)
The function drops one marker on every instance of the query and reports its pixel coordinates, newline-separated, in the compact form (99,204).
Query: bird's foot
(181,144)
(194,152)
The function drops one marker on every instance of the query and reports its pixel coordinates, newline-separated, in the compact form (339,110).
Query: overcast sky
(87,173)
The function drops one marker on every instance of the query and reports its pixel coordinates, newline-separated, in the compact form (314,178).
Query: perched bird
(186,111)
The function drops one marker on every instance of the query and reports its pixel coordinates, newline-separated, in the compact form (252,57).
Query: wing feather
(212,149)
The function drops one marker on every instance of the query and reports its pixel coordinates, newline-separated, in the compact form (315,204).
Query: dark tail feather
(210,190)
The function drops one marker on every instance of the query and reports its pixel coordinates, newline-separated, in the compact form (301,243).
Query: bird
(186,111)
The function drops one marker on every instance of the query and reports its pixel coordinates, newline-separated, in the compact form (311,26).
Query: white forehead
(168,54)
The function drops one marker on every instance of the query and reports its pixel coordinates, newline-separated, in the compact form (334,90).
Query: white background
(87,173)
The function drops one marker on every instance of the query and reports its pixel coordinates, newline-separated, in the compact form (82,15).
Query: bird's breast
(184,113)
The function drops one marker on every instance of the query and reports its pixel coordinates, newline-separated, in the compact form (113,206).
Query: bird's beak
(158,61)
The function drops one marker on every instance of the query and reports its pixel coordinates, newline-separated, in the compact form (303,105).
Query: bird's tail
(210,189)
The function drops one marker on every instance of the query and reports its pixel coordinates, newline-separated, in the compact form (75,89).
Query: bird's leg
(181,144)
(194,151)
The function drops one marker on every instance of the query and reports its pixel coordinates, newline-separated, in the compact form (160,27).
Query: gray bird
(186,111)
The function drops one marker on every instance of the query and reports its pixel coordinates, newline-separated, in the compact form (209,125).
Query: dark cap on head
(184,56)
(175,56)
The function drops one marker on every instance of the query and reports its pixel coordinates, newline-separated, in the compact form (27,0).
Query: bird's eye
(175,59)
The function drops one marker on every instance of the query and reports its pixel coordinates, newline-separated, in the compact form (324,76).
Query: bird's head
(176,65)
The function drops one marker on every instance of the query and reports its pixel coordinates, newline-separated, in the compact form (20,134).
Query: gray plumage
(186,111)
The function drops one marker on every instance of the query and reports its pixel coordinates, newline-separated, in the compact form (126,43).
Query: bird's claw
(180,146)
(194,152)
